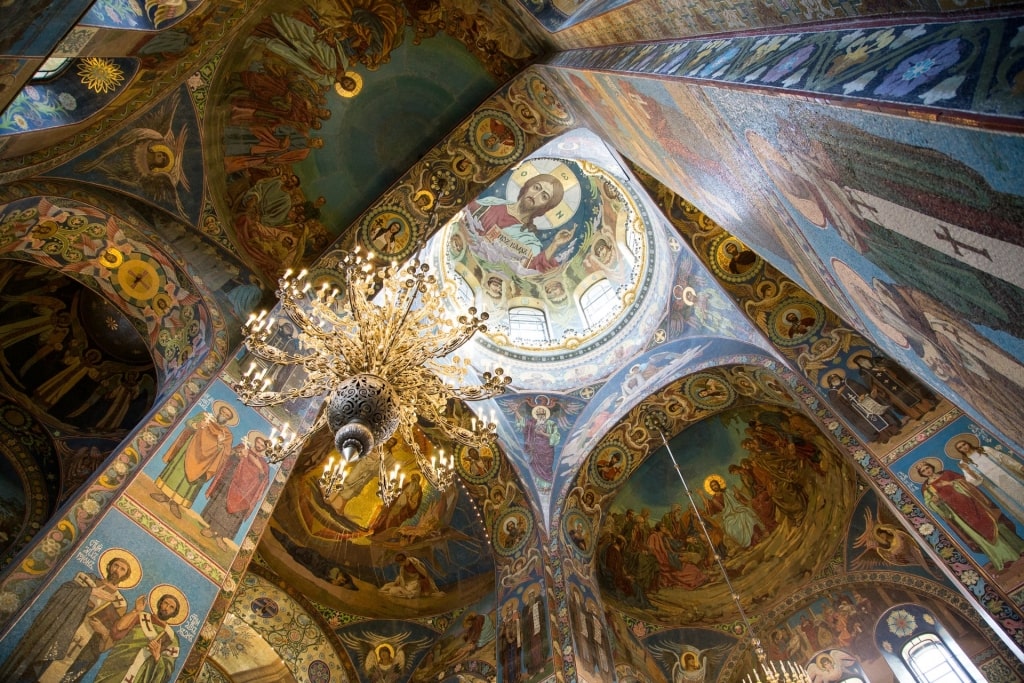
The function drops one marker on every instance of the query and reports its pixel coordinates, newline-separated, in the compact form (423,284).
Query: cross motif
(945,236)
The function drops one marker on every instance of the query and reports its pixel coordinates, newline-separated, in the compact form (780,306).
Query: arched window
(598,302)
(930,661)
(51,68)
(917,647)
(528,325)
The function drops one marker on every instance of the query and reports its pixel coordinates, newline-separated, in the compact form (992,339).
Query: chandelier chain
(772,672)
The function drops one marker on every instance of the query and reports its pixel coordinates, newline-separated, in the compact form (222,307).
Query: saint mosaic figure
(998,474)
(236,488)
(76,625)
(145,646)
(979,522)
(413,580)
(508,225)
(195,457)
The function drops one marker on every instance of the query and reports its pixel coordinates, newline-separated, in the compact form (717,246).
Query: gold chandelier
(381,353)
(766,671)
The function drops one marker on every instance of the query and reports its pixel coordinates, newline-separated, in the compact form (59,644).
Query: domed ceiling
(304,95)
(349,551)
(75,376)
(560,252)
(764,479)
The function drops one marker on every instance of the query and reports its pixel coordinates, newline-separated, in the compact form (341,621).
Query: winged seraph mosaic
(149,159)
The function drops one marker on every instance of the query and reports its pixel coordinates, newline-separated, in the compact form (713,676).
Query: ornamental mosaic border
(175,543)
(892,64)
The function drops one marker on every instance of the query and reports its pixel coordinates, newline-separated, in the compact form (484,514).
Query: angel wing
(903,549)
(521,408)
(148,156)
(360,645)
(162,11)
(403,645)
(666,653)
(886,544)
(713,656)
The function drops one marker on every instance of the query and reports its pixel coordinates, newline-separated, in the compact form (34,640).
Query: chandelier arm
(404,301)
(362,310)
(478,393)
(275,354)
(295,310)
(275,398)
(423,348)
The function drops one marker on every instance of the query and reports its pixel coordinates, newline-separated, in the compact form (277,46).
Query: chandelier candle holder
(281,443)
(334,476)
(378,343)
(768,671)
(390,483)
(440,471)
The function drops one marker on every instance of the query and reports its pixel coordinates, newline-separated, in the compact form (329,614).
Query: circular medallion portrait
(709,391)
(495,136)
(511,531)
(734,261)
(545,100)
(795,320)
(609,465)
(389,232)
(578,532)
(477,465)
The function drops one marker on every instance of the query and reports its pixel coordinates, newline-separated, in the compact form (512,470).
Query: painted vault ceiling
(777,334)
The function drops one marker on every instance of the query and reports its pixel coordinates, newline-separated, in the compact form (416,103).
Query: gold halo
(133,579)
(111,258)
(217,405)
(349,93)
(170,158)
(951,450)
(711,478)
(162,303)
(253,435)
(384,646)
(833,371)
(163,589)
(851,362)
(934,462)
(537,409)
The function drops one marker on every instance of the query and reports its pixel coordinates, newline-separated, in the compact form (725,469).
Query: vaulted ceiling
(162,178)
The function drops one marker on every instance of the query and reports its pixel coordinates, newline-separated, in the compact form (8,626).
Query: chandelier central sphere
(362,413)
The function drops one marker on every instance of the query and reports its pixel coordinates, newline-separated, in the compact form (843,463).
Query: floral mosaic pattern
(72,96)
(970,66)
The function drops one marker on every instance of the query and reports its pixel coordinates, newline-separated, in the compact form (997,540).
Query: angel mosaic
(689,664)
(149,157)
(385,658)
(885,544)
(542,422)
